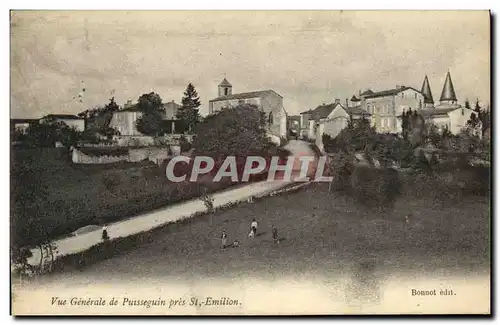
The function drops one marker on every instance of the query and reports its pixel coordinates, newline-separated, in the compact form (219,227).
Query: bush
(111,182)
(185,144)
(375,187)
(341,167)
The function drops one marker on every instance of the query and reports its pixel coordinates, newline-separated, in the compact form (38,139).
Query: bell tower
(225,88)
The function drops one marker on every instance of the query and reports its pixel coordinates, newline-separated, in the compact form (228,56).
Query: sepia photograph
(250,163)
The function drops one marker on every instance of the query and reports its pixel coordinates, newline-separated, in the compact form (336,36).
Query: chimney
(346,102)
(337,101)
(398,86)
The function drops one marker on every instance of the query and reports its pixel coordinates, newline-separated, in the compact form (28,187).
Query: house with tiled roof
(125,120)
(331,119)
(70,120)
(268,100)
(385,106)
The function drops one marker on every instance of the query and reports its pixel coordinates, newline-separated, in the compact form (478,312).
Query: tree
(483,115)
(477,108)
(467,104)
(151,107)
(234,131)
(188,113)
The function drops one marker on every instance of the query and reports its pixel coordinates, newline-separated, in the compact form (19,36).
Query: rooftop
(225,83)
(253,94)
(389,92)
(63,117)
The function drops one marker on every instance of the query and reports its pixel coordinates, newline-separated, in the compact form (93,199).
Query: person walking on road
(105,235)
(253,227)
(275,234)
(224,239)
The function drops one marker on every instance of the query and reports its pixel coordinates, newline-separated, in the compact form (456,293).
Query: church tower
(225,88)
(448,96)
(426,91)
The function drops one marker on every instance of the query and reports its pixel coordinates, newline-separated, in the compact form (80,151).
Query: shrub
(111,182)
(184,144)
(375,187)
(341,167)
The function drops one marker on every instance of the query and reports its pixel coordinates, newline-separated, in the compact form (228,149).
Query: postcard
(250,163)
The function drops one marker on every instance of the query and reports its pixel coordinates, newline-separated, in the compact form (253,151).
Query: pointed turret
(448,94)
(426,91)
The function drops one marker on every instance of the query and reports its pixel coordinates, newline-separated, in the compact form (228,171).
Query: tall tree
(188,113)
(151,107)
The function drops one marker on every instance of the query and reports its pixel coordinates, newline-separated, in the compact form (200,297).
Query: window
(415,95)
(402,95)
(225,91)
(270,119)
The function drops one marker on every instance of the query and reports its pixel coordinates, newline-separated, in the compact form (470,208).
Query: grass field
(320,233)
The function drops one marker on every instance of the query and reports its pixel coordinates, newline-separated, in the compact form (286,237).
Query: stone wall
(154,154)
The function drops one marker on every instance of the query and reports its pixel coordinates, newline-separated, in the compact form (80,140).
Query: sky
(308,57)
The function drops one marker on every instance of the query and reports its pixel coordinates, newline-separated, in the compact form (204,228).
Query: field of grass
(320,232)
(67,196)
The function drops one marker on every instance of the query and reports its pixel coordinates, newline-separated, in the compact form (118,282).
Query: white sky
(309,58)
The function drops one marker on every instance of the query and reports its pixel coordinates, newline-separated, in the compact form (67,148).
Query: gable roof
(356,110)
(323,111)
(366,92)
(389,92)
(225,83)
(252,94)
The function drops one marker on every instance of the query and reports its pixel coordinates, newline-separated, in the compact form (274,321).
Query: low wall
(153,154)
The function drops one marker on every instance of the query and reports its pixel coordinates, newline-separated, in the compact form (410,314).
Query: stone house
(73,121)
(268,100)
(125,119)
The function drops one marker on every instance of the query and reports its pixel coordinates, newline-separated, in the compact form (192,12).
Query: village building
(268,100)
(21,124)
(125,120)
(331,119)
(73,121)
(305,117)
(385,106)
(448,114)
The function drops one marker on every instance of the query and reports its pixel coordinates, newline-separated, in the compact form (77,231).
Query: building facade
(385,106)
(331,119)
(125,120)
(268,100)
(448,114)
(73,121)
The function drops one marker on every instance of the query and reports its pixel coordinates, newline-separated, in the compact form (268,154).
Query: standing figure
(105,233)
(275,234)
(253,228)
(224,239)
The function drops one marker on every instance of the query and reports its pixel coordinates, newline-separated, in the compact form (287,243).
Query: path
(148,221)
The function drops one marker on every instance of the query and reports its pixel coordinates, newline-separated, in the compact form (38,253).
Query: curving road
(148,221)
